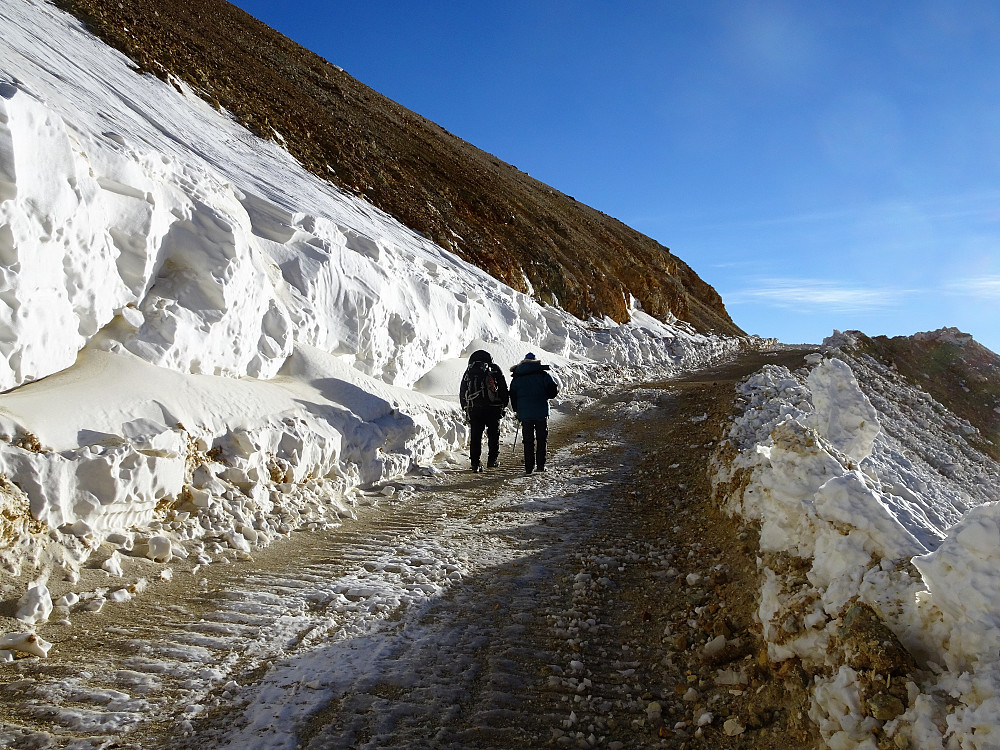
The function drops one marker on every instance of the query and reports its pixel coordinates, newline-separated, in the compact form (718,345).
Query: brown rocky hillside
(486,211)
(953,368)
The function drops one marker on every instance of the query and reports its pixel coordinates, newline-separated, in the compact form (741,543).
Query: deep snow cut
(202,345)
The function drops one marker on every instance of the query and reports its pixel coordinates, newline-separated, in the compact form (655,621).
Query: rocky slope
(953,368)
(488,212)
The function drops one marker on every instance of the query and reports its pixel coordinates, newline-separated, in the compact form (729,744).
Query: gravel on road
(604,603)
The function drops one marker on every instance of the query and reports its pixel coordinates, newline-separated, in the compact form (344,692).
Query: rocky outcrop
(486,211)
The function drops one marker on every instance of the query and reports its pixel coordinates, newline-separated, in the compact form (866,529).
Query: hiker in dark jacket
(531,387)
(483,395)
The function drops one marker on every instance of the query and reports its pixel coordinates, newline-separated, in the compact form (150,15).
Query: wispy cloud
(816,294)
(979,207)
(981,287)
(746,263)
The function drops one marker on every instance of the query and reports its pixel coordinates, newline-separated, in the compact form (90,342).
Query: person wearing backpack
(483,395)
(531,387)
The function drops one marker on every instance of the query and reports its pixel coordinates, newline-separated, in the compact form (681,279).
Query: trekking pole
(513,450)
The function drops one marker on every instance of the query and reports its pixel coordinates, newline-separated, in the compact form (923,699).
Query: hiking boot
(540,468)
(477,468)
(492,464)
(528,469)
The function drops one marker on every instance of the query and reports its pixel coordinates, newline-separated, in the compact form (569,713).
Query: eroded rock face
(486,211)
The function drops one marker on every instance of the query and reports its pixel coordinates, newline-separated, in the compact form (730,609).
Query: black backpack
(482,388)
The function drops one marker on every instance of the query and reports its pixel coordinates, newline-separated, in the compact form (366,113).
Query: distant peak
(944,336)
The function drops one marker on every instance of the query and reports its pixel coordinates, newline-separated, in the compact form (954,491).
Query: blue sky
(823,165)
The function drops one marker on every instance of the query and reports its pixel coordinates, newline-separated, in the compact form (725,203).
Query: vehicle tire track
(470,611)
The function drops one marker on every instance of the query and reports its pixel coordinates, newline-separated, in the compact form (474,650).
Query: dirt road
(605,603)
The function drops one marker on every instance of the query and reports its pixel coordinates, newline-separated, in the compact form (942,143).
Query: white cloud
(982,287)
(817,294)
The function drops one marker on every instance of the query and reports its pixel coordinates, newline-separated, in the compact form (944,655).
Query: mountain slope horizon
(519,230)
(951,367)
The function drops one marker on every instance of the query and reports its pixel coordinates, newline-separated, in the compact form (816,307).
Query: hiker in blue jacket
(483,395)
(531,387)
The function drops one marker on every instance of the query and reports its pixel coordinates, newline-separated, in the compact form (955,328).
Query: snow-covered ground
(866,491)
(203,346)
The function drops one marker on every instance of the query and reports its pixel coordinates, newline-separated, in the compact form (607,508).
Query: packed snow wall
(878,529)
(198,338)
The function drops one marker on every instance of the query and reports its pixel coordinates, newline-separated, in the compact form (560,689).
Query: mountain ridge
(519,230)
(951,367)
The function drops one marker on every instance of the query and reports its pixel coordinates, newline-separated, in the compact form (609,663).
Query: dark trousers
(488,421)
(535,433)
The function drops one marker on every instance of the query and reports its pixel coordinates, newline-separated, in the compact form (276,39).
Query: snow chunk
(113,564)
(158,548)
(35,605)
(68,600)
(108,486)
(843,415)
(962,582)
(26,643)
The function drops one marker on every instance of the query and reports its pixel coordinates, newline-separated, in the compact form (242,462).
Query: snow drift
(202,345)
(879,529)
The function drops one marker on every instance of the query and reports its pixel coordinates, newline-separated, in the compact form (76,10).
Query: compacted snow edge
(878,526)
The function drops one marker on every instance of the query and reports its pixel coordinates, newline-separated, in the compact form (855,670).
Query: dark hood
(528,366)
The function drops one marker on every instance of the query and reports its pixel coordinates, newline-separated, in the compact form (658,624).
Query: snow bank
(879,530)
(203,346)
